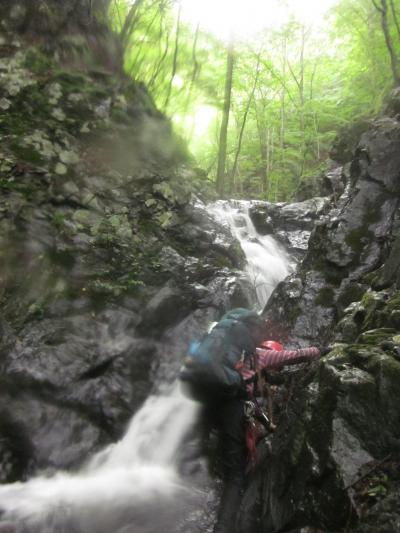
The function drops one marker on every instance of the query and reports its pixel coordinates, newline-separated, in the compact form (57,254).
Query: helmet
(272,345)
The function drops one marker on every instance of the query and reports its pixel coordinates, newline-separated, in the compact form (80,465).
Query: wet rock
(350,243)
(342,418)
(56,437)
(291,224)
(16,450)
(339,422)
(333,183)
(166,307)
(346,142)
(392,105)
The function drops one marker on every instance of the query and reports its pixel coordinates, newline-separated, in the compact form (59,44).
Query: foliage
(293,88)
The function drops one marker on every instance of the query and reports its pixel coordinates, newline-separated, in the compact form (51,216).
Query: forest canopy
(260,104)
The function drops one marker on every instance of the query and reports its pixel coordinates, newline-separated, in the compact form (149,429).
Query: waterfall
(133,477)
(267,261)
(134,485)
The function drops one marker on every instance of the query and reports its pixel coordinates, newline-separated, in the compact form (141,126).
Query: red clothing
(270,359)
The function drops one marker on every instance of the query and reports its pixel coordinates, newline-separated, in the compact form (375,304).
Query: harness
(257,424)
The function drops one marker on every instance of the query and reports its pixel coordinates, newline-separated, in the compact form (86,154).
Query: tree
(221,169)
(382,8)
(175,57)
(243,125)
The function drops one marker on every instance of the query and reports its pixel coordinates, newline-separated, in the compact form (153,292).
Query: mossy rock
(352,293)
(37,62)
(375,336)
(393,303)
(374,304)
(325,297)
(362,355)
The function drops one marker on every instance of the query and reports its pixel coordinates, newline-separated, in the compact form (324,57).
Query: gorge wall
(335,455)
(102,255)
(108,271)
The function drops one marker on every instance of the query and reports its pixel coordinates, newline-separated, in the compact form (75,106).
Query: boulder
(348,243)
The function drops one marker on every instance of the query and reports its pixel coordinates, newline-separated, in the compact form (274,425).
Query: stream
(143,484)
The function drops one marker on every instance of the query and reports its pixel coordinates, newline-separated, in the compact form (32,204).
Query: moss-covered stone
(325,297)
(376,336)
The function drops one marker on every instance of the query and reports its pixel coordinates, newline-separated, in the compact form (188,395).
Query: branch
(380,9)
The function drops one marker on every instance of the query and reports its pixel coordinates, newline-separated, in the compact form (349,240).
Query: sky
(246,17)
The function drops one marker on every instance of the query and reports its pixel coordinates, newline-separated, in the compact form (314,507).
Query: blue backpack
(210,367)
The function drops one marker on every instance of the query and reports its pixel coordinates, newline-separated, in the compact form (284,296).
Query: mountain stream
(137,485)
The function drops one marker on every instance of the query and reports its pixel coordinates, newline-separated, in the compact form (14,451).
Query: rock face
(335,456)
(291,224)
(352,241)
(103,256)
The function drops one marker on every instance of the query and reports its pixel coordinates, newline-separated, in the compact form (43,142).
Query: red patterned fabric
(272,359)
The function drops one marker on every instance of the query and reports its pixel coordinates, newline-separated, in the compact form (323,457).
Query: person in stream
(221,372)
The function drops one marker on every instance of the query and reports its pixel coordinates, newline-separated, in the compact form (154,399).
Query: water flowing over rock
(267,262)
(108,273)
(110,269)
(289,223)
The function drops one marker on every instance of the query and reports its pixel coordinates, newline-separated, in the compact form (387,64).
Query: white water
(267,262)
(139,469)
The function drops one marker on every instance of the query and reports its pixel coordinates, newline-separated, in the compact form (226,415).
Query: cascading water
(134,486)
(122,484)
(267,262)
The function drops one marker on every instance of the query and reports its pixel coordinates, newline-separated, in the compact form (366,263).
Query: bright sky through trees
(303,72)
(245,18)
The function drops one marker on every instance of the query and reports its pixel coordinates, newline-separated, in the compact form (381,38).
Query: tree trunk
(164,54)
(396,20)
(130,21)
(141,55)
(382,8)
(220,183)
(243,125)
(196,69)
(263,136)
(299,80)
(283,103)
(175,58)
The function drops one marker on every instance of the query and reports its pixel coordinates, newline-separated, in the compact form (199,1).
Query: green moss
(115,288)
(26,153)
(393,303)
(293,313)
(58,220)
(375,336)
(373,303)
(36,61)
(120,116)
(357,238)
(30,110)
(352,293)
(71,81)
(325,297)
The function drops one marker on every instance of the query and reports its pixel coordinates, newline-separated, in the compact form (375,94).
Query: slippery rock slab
(378,153)
(165,307)
(89,363)
(54,436)
(291,224)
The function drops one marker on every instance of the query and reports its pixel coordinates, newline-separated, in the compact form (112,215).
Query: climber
(221,371)
(230,421)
